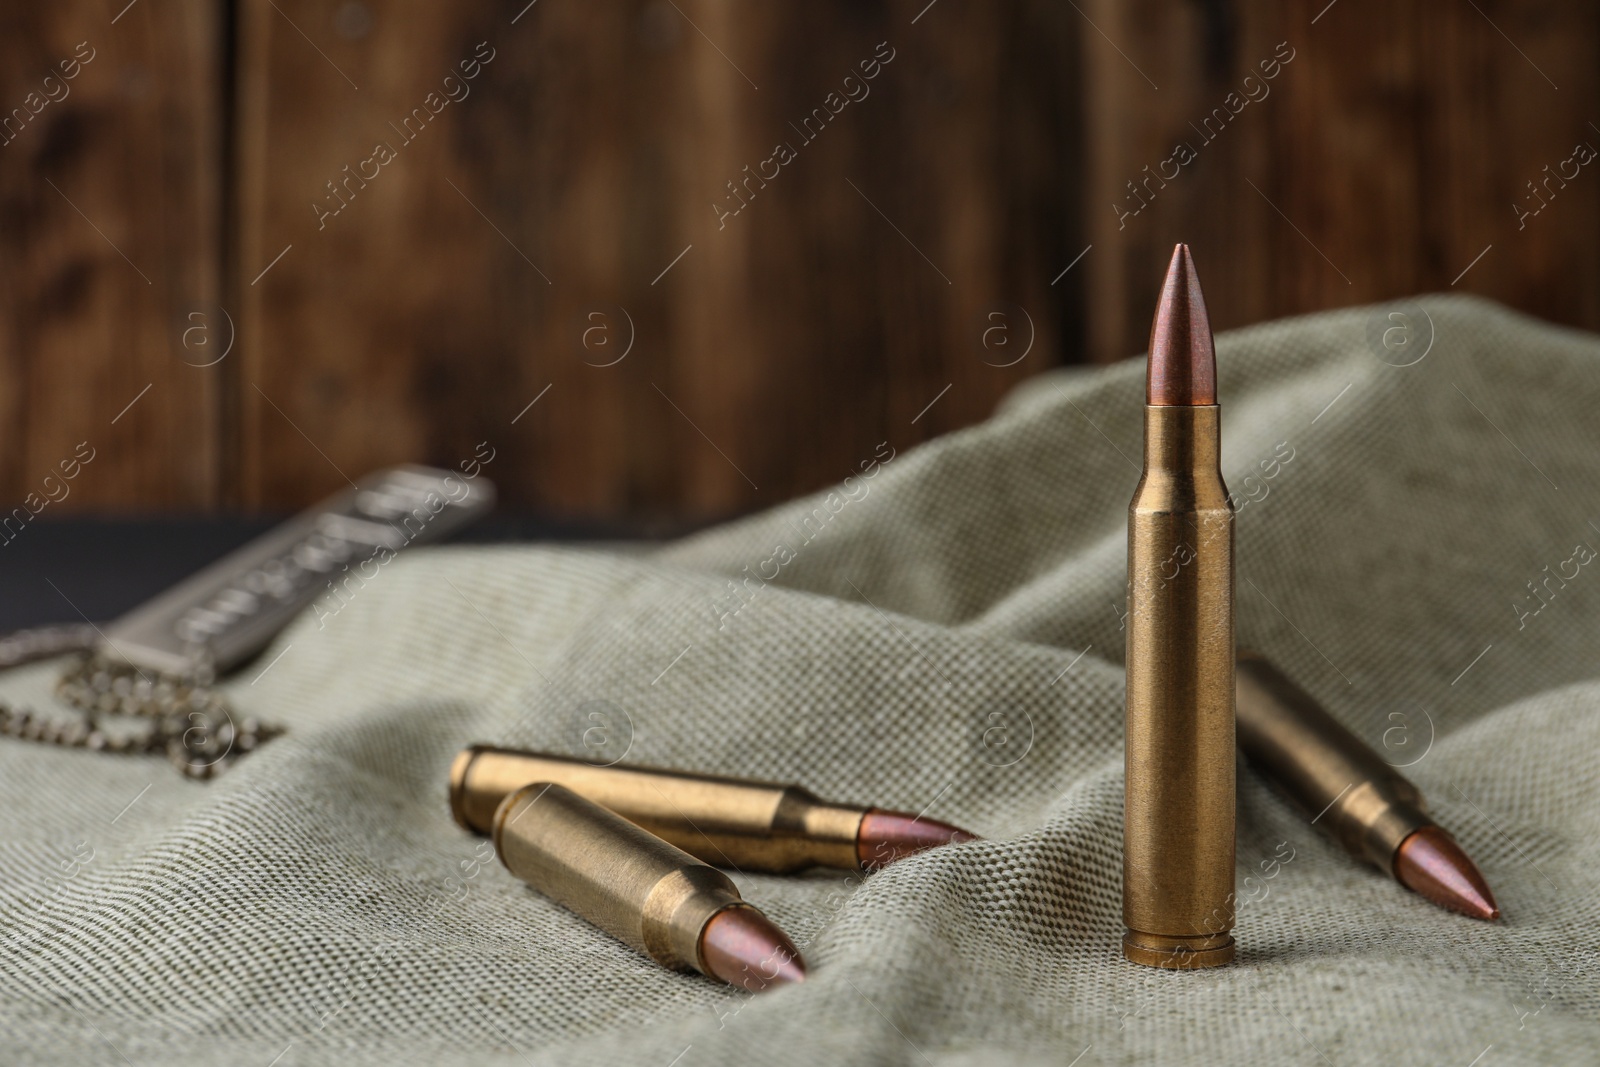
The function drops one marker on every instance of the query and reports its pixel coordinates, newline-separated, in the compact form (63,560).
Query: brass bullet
(1351,792)
(732,822)
(657,899)
(1178,815)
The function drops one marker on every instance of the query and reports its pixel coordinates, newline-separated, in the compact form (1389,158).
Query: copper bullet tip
(1430,863)
(1183,361)
(886,836)
(742,947)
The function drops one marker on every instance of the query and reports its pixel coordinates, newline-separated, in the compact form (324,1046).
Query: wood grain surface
(1382,160)
(678,259)
(110,240)
(588,230)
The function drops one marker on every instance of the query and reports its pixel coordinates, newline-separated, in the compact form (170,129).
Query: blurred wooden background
(174,296)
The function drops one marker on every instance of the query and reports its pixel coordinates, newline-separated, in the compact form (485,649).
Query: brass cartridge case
(739,823)
(1178,828)
(1327,772)
(651,896)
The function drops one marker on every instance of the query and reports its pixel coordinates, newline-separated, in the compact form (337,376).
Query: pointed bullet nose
(886,836)
(1431,864)
(742,947)
(1183,362)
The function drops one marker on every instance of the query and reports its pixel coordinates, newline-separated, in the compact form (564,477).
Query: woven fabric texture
(941,633)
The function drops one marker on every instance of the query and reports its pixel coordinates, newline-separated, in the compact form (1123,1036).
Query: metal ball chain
(183,718)
(45,642)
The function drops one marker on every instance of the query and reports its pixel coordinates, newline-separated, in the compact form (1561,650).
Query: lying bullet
(732,822)
(658,900)
(1348,789)
(1178,814)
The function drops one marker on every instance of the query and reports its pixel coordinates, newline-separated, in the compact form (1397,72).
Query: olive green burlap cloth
(941,633)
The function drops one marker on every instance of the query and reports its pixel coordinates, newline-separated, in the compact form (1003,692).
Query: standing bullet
(732,822)
(1178,815)
(1339,782)
(659,900)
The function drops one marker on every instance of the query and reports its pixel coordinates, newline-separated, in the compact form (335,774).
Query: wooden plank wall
(399,259)
(110,240)
(1381,160)
(574,204)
